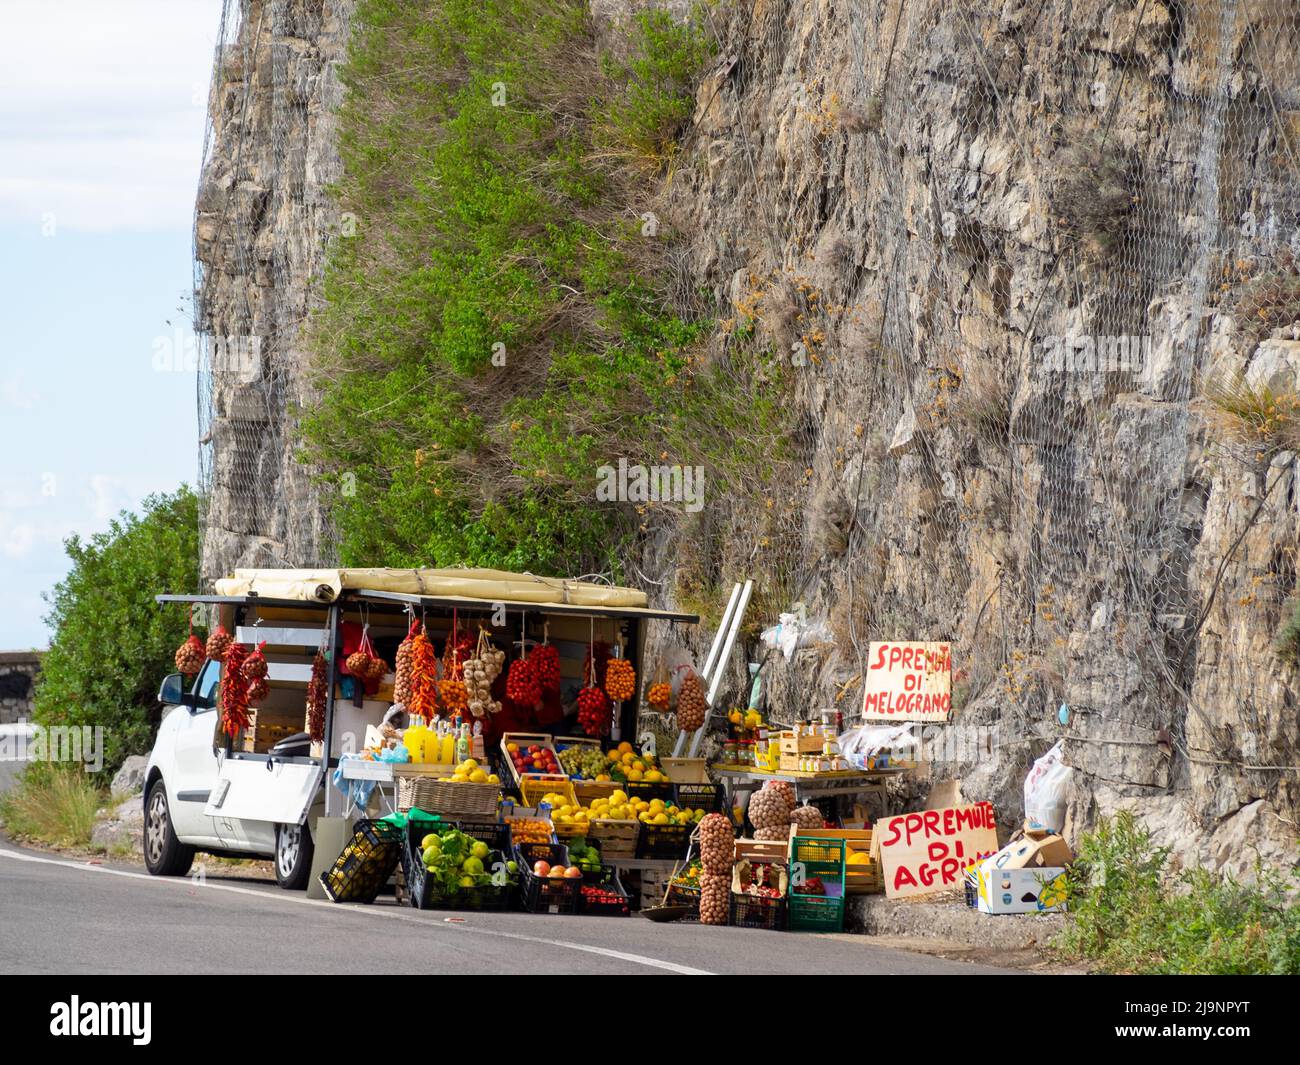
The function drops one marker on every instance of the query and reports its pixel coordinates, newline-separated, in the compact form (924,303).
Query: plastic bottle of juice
(447,746)
(414,738)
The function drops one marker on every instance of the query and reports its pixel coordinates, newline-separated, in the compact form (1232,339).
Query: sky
(102,114)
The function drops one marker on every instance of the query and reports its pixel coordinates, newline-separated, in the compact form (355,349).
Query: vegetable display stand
(427,892)
(816,896)
(602,895)
(546,894)
(365,864)
(532,790)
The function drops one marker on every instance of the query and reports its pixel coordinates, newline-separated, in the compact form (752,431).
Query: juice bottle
(414,738)
(447,748)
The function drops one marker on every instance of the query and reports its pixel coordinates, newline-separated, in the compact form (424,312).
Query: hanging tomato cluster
(317,690)
(522,685)
(594,711)
(620,679)
(546,667)
(234,690)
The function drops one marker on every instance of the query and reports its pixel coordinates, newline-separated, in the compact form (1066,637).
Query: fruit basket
(454,800)
(367,861)
(544,893)
(428,892)
(534,755)
(601,894)
(816,895)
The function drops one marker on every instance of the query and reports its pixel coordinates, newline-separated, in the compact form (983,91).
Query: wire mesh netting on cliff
(1044,260)
(251,282)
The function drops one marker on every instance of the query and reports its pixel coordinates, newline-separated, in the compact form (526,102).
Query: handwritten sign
(929,850)
(908,682)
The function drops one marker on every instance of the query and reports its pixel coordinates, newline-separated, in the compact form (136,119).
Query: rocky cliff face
(261,223)
(1006,247)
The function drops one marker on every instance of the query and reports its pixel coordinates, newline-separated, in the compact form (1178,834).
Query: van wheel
(293,853)
(164,854)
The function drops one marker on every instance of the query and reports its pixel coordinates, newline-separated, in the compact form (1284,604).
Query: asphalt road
(61,915)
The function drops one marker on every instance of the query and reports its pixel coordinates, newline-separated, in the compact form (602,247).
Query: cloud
(106,497)
(16,537)
(102,111)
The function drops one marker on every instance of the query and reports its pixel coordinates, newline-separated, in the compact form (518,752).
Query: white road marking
(185,882)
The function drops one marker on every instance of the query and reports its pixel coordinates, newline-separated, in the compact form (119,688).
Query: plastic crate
(424,893)
(663,841)
(755,911)
(360,872)
(545,894)
(711,798)
(823,859)
(607,878)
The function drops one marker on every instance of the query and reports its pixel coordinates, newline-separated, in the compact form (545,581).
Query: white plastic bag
(1046,790)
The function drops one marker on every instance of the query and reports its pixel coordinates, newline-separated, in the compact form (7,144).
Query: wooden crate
(685,770)
(859,878)
(792,743)
(614,839)
(265,731)
(526,739)
(761,850)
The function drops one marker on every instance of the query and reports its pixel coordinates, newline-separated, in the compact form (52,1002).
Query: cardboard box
(1031,853)
(1037,890)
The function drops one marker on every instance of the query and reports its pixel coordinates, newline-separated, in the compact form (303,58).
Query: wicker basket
(454,801)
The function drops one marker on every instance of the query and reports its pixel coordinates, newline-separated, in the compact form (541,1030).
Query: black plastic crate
(663,841)
(495,834)
(711,798)
(425,893)
(365,864)
(538,894)
(607,878)
(757,911)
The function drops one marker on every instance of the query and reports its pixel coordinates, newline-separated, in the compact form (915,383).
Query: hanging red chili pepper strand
(234,691)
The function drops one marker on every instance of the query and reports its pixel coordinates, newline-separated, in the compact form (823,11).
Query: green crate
(816,913)
(824,859)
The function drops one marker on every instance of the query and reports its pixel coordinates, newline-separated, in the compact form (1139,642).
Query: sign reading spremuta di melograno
(909,681)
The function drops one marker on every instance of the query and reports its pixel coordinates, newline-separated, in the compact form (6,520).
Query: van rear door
(255,793)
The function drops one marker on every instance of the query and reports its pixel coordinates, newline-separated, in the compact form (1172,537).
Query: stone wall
(18,673)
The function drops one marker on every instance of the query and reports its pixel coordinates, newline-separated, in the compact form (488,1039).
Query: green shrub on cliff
(495,327)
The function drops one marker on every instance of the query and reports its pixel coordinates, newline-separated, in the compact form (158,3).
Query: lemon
(478,777)
(660,819)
